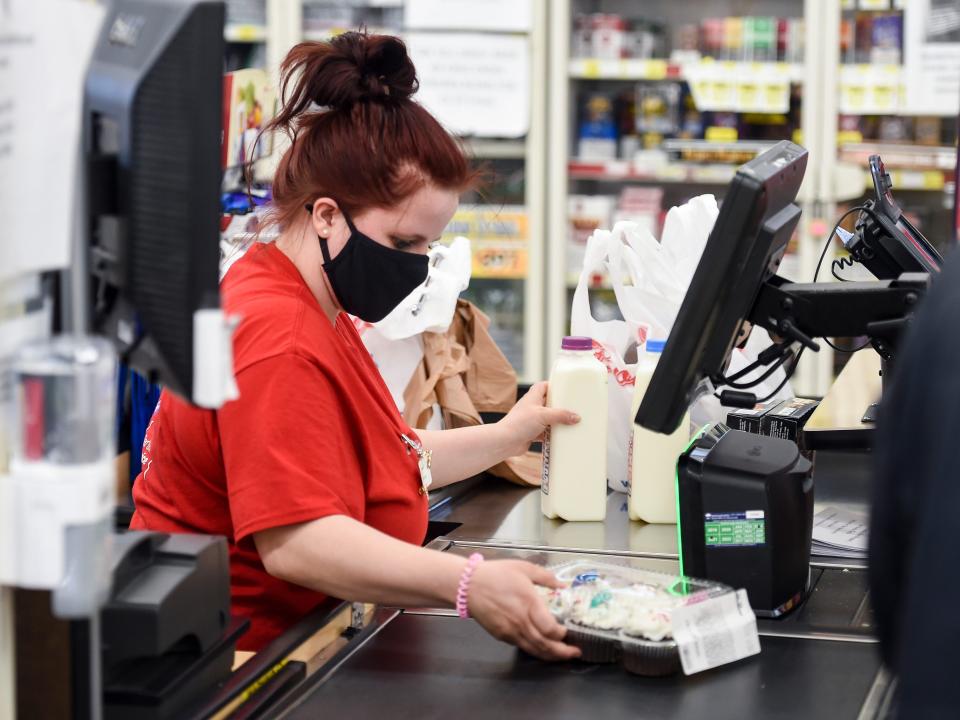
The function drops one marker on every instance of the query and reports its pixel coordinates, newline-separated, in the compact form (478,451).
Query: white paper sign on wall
(475,84)
(498,15)
(932,58)
(42,68)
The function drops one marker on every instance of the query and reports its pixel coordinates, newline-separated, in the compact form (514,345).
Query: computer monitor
(756,220)
(152,130)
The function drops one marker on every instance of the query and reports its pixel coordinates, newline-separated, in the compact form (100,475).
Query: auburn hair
(356,134)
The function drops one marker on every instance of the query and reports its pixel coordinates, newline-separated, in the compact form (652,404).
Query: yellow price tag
(246,33)
(718,134)
(885,97)
(848,137)
(591,69)
(933,180)
(749,96)
(856,96)
(776,98)
(674,173)
(655,69)
(723,94)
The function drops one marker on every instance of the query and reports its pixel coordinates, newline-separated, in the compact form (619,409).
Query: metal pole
(75,300)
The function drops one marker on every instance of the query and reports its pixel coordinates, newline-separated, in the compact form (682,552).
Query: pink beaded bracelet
(463,589)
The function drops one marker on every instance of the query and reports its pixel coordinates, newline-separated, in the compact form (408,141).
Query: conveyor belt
(428,666)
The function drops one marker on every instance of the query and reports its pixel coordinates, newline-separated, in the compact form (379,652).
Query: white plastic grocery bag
(612,339)
(650,279)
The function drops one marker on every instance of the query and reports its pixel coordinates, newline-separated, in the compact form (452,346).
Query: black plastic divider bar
(267,662)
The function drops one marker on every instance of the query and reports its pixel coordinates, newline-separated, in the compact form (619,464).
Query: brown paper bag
(465,373)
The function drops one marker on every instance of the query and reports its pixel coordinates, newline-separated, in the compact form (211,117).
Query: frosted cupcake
(646,638)
(557,601)
(595,617)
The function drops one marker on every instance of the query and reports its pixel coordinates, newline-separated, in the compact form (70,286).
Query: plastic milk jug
(574,475)
(653,457)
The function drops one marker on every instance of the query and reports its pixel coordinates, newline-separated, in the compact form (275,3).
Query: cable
(786,379)
(834,268)
(731,382)
(826,244)
(840,264)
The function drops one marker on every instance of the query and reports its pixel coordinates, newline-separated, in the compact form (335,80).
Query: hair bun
(356,66)
(339,73)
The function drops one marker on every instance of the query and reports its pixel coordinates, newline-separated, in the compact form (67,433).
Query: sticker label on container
(735,529)
(715,632)
(545,467)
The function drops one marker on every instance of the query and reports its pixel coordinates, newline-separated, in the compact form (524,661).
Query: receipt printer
(167,636)
(746,516)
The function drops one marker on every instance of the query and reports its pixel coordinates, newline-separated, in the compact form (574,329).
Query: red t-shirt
(314,433)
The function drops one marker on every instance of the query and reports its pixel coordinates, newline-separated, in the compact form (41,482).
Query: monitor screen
(152,105)
(756,220)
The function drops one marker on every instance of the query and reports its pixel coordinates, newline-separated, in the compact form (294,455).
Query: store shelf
(238,33)
(931,180)
(599,281)
(911,157)
(716,85)
(738,146)
(637,69)
(492,149)
(626,171)
(625,69)
(911,167)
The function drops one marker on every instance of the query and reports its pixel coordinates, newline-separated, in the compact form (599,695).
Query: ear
(322,214)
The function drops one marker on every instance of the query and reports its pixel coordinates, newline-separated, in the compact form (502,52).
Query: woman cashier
(312,475)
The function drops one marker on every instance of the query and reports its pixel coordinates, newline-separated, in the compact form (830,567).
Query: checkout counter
(821,660)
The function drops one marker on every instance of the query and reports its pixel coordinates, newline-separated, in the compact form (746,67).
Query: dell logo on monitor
(126,30)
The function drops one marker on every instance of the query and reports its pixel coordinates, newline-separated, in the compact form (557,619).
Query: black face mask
(370,279)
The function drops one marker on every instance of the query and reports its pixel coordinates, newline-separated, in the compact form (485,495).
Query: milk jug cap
(573,342)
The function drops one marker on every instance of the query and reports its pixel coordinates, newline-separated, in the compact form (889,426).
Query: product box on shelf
(585,214)
(598,129)
(787,419)
(749,419)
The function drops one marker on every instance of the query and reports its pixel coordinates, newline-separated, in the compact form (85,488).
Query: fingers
(537,394)
(557,416)
(549,650)
(545,635)
(541,576)
(545,623)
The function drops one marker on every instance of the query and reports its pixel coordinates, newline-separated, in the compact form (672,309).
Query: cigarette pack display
(749,419)
(787,419)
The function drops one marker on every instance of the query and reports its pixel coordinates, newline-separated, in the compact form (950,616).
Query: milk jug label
(545,469)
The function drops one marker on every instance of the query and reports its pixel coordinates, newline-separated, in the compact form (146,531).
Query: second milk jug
(652,456)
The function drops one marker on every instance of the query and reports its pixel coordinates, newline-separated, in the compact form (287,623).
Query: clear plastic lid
(616,601)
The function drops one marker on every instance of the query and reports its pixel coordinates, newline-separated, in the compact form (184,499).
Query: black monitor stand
(879,310)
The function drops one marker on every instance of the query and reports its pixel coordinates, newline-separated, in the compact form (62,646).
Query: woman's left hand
(529,419)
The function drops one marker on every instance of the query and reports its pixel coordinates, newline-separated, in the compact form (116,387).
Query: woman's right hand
(504,600)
